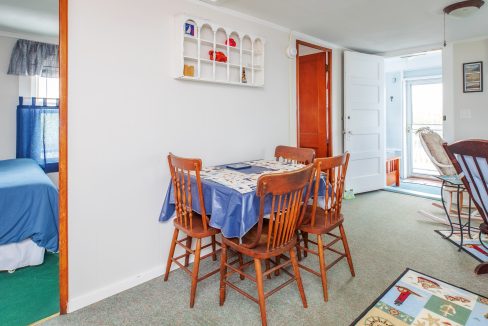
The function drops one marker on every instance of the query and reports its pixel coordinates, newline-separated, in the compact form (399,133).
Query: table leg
(445,210)
(461,226)
(469,217)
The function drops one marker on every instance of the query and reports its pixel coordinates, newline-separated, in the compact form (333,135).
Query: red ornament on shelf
(231,42)
(219,56)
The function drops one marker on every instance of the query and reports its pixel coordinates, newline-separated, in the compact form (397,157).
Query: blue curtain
(38,133)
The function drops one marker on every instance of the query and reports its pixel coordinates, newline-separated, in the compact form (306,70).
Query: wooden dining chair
(322,221)
(286,193)
(187,187)
(470,159)
(294,154)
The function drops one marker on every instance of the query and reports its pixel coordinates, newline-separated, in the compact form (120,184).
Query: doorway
(314,117)
(423,110)
(414,100)
(33,261)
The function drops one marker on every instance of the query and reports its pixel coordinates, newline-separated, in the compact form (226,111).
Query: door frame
(63,156)
(407,107)
(329,92)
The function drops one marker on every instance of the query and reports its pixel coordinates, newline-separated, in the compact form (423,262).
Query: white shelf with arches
(212,53)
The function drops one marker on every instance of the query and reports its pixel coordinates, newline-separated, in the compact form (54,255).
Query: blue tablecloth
(232,212)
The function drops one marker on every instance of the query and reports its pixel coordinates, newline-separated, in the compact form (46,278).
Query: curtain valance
(30,58)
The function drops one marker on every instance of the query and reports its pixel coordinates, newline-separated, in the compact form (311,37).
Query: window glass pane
(48,87)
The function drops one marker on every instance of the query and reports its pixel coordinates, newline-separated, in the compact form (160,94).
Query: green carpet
(386,235)
(30,294)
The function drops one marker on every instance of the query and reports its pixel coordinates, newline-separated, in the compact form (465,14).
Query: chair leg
(214,247)
(461,201)
(260,284)
(305,243)
(299,251)
(277,272)
(171,253)
(323,270)
(223,272)
(194,275)
(188,244)
(296,270)
(346,248)
(241,262)
(268,267)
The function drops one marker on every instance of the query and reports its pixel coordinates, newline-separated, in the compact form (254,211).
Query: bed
(28,214)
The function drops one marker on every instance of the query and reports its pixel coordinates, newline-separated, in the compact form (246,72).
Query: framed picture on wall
(473,77)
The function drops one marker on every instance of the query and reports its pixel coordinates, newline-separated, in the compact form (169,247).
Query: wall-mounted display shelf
(212,53)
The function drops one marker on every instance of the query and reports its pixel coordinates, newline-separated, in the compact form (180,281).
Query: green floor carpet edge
(30,294)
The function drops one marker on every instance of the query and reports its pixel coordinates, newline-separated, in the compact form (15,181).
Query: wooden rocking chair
(470,159)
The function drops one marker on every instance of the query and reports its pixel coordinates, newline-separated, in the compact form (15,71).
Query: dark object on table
(188,221)
(290,154)
(238,166)
(272,237)
(322,221)
(469,158)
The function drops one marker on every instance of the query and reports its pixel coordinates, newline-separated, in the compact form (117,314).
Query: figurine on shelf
(231,42)
(189,70)
(243,78)
(219,56)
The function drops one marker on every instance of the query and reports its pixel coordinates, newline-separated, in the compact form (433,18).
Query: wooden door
(313,102)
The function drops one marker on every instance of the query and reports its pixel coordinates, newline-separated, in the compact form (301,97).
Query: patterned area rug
(420,300)
(471,246)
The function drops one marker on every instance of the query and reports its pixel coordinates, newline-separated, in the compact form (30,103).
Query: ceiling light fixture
(461,9)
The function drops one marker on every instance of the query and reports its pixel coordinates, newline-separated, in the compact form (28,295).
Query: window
(39,87)
(38,121)
(47,87)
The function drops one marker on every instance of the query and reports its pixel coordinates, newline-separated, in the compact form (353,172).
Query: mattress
(20,254)
(28,204)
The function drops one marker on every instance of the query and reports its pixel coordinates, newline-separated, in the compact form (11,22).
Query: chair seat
(197,231)
(260,251)
(320,226)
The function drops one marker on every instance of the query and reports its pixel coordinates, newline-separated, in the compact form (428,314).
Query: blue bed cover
(28,204)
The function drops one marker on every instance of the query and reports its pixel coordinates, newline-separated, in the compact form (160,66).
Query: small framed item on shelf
(189,71)
(190,29)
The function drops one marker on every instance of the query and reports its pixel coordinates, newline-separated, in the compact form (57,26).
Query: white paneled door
(364,121)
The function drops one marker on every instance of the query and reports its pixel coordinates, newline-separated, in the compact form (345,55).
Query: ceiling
(35,17)
(375,26)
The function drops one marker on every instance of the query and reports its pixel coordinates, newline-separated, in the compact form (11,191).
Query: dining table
(229,194)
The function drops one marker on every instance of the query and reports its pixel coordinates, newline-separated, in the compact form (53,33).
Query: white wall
(470,110)
(9,98)
(126,112)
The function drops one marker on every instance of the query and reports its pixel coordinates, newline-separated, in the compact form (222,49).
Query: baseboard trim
(112,289)
(98,295)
